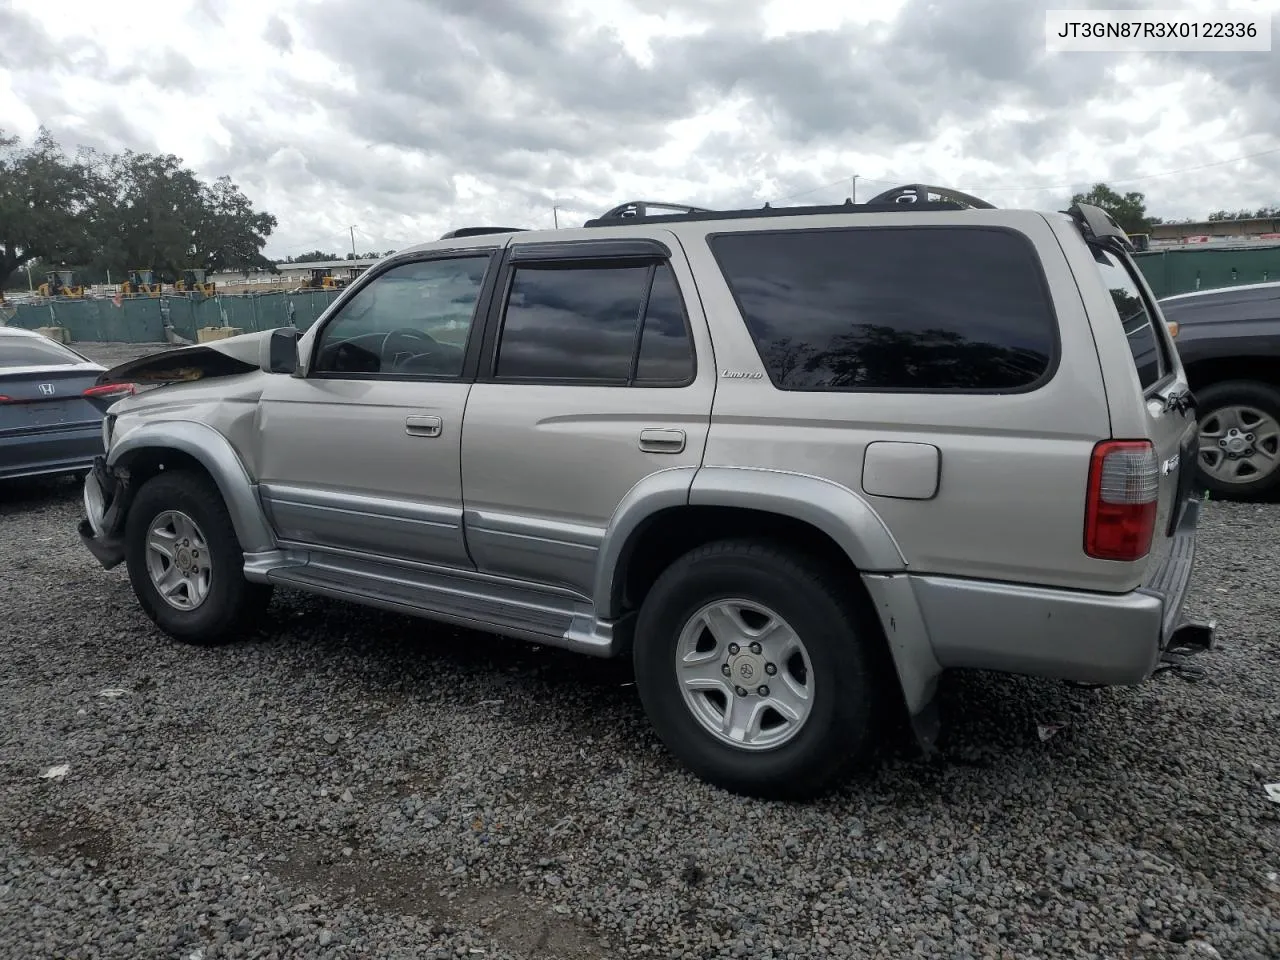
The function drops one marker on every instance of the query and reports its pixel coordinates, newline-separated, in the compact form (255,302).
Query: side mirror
(280,351)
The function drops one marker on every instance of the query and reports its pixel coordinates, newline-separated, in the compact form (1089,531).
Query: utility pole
(555,214)
(353,241)
(853,188)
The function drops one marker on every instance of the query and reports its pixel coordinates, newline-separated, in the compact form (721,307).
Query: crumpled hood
(219,358)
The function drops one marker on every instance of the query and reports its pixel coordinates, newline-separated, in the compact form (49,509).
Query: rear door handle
(656,440)
(422,426)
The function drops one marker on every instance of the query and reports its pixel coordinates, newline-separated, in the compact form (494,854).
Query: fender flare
(836,510)
(212,451)
(830,507)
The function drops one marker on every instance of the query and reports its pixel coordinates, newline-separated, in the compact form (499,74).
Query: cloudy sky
(408,117)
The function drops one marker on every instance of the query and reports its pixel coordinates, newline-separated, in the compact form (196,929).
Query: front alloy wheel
(178,560)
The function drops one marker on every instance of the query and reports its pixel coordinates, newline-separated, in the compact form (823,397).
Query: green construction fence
(142,319)
(1182,271)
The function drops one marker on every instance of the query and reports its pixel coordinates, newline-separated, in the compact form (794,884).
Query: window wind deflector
(622,248)
(1098,226)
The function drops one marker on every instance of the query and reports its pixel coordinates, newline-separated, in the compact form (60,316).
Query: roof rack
(480,231)
(915,196)
(641,209)
(914,192)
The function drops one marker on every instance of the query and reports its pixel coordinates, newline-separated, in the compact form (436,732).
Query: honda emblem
(46,389)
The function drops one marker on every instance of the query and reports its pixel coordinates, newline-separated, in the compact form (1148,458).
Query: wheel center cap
(184,559)
(1237,444)
(747,670)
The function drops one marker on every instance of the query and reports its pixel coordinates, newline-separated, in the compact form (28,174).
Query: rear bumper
(1071,635)
(63,450)
(106,498)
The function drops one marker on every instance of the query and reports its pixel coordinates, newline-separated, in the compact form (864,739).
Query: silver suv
(795,462)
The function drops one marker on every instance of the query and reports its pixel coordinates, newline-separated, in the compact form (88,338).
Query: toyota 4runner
(795,462)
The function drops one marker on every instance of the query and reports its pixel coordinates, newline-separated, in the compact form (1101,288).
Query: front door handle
(422,426)
(656,440)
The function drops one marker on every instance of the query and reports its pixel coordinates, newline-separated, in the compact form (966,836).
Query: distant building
(290,275)
(1265,230)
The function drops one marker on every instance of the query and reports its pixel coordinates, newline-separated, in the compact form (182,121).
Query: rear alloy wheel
(1239,456)
(745,674)
(185,563)
(754,667)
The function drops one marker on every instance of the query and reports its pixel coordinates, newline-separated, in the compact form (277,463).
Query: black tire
(1249,393)
(836,630)
(232,603)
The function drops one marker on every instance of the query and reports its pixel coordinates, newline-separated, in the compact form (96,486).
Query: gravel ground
(351,783)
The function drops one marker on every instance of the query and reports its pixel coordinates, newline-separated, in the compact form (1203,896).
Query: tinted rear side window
(666,353)
(1134,316)
(576,323)
(903,308)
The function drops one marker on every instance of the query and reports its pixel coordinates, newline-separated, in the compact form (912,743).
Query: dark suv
(1229,341)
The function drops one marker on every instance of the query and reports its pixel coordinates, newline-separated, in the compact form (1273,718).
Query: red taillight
(112,390)
(4,399)
(1124,491)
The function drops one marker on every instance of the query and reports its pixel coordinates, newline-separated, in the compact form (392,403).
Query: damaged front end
(107,494)
(272,350)
(174,413)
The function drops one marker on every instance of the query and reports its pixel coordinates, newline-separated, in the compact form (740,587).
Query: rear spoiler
(1099,226)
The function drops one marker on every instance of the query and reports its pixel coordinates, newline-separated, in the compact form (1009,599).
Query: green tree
(152,212)
(1260,214)
(315,256)
(44,200)
(230,234)
(1130,209)
(105,214)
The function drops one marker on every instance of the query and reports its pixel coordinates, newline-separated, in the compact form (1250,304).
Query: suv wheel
(1240,439)
(185,563)
(752,665)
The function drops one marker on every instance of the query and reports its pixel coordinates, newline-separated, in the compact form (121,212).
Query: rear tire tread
(843,636)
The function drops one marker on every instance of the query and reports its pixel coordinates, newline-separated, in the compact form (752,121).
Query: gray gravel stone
(205,810)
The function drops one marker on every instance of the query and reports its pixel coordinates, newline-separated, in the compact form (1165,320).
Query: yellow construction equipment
(192,281)
(57,283)
(322,278)
(140,284)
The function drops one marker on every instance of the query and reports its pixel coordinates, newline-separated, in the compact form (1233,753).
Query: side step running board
(1189,638)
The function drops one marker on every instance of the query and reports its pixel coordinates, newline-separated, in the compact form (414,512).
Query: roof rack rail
(915,196)
(645,209)
(923,193)
(480,231)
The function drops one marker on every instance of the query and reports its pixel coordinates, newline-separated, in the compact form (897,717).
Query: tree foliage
(106,214)
(1130,209)
(45,199)
(1260,214)
(314,256)
(321,256)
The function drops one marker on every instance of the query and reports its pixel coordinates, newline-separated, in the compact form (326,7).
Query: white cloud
(409,117)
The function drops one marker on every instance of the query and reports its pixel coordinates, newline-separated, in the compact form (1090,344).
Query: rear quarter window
(31,352)
(1139,327)
(936,309)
